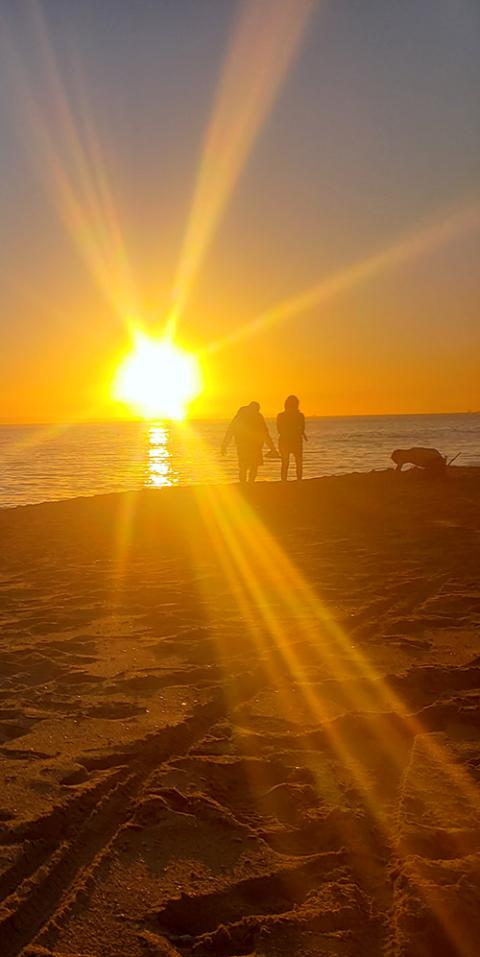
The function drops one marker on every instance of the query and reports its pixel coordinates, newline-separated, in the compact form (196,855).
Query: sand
(243,725)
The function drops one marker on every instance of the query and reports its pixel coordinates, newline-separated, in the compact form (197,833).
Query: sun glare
(157,379)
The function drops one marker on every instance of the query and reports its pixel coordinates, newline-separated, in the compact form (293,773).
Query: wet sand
(243,725)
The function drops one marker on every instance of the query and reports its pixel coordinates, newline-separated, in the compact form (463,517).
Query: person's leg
(284,468)
(252,473)
(299,465)
(242,471)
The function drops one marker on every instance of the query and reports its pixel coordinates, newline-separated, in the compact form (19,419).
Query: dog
(429,459)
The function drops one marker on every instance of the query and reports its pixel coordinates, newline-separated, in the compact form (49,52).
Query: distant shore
(319,415)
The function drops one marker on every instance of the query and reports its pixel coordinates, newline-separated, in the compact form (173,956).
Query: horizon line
(321,415)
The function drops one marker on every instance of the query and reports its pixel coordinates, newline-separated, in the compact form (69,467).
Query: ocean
(44,463)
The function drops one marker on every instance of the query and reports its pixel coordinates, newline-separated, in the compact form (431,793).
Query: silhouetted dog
(428,459)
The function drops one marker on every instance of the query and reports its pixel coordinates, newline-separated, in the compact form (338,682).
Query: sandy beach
(243,724)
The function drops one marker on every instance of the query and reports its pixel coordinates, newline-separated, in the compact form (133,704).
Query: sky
(292,186)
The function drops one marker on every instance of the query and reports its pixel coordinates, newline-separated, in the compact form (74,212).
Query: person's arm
(267,437)
(304,434)
(228,436)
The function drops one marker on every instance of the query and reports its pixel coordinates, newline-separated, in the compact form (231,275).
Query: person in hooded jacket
(250,433)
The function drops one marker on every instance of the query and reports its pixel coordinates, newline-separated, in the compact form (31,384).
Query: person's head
(400,457)
(254,406)
(291,403)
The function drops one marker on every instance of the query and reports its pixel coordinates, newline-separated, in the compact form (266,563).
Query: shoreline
(454,472)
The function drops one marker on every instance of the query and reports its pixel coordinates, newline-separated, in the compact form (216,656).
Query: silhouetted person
(250,433)
(429,459)
(291,433)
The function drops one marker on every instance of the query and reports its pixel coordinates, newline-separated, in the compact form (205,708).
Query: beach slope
(243,723)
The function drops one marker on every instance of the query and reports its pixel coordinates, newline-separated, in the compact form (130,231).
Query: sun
(157,380)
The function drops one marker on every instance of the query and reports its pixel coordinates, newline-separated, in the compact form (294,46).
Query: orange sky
(292,186)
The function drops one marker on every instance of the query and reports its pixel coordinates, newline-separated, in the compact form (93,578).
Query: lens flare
(452,226)
(266,38)
(157,379)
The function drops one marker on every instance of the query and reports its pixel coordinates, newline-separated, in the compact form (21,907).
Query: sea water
(41,463)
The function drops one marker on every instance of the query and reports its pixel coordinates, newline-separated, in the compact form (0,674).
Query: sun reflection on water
(160,471)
